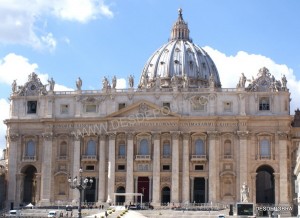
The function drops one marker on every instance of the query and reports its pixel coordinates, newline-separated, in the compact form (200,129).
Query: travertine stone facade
(178,137)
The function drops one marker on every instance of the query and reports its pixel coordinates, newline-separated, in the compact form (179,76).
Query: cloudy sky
(65,39)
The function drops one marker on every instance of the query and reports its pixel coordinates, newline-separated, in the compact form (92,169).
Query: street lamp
(80,184)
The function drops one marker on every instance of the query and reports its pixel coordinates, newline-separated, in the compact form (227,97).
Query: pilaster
(129,168)
(76,165)
(283,167)
(185,169)
(212,174)
(111,167)
(102,164)
(156,169)
(175,167)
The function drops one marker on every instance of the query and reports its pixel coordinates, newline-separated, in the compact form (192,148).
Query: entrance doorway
(265,187)
(165,195)
(143,187)
(199,190)
(29,187)
(90,194)
(120,199)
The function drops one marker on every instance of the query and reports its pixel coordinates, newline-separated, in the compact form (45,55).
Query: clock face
(33,87)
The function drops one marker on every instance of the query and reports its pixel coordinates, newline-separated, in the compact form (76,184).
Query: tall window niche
(166,149)
(265,146)
(90,148)
(121,146)
(199,147)
(143,146)
(30,148)
(227,146)
(62,147)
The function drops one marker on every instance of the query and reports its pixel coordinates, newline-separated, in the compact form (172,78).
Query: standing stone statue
(212,81)
(105,83)
(114,82)
(14,87)
(245,193)
(131,81)
(51,84)
(242,81)
(283,81)
(78,83)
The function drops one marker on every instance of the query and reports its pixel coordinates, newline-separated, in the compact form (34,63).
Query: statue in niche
(114,82)
(145,80)
(14,87)
(157,82)
(185,81)
(245,193)
(212,80)
(242,81)
(51,84)
(78,83)
(174,81)
(131,81)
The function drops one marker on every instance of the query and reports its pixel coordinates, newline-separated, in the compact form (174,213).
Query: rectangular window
(90,108)
(199,167)
(121,167)
(122,150)
(90,167)
(166,167)
(264,104)
(31,107)
(64,109)
(227,106)
(122,105)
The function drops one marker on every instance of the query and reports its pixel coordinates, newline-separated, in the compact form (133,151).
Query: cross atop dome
(180,28)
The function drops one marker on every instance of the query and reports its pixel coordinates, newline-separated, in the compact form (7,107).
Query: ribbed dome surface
(179,58)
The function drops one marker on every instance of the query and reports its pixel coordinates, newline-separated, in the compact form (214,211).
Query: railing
(166,156)
(142,157)
(123,157)
(199,157)
(264,157)
(29,158)
(228,156)
(62,157)
(89,157)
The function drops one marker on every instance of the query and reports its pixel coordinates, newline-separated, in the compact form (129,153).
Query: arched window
(166,149)
(30,148)
(91,147)
(122,150)
(199,147)
(144,148)
(227,148)
(63,149)
(265,148)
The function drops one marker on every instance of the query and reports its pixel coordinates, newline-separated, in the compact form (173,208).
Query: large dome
(181,60)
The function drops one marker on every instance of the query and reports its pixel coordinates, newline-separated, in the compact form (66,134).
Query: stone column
(102,164)
(129,168)
(175,167)
(192,188)
(13,140)
(212,172)
(206,190)
(150,189)
(156,170)
(111,167)
(253,187)
(276,188)
(76,166)
(38,187)
(46,177)
(20,187)
(186,169)
(243,157)
(283,168)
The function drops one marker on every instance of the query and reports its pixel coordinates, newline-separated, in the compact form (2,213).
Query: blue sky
(65,39)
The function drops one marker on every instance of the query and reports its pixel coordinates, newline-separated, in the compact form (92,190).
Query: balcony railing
(29,158)
(143,157)
(166,156)
(202,157)
(62,157)
(89,157)
(228,156)
(264,157)
(122,157)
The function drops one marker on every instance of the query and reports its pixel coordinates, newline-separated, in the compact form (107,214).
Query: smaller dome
(179,60)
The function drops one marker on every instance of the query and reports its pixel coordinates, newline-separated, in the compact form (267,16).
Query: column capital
(213,134)
(130,135)
(112,135)
(242,134)
(13,137)
(48,136)
(156,135)
(282,135)
(186,135)
(175,134)
(102,137)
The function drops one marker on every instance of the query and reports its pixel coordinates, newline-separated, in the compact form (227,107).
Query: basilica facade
(177,136)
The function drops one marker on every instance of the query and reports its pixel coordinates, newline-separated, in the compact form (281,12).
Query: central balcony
(89,157)
(199,158)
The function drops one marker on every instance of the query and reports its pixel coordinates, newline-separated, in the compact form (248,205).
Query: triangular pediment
(143,109)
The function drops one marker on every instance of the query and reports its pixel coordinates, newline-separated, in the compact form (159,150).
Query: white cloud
(231,67)
(18,20)
(121,83)
(4,105)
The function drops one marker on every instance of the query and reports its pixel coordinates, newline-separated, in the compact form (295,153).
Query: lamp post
(80,184)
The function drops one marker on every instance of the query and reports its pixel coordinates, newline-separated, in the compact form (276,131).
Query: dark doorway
(165,195)
(199,190)
(265,187)
(90,193)
(29,188)
(120,199)
(143,187)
